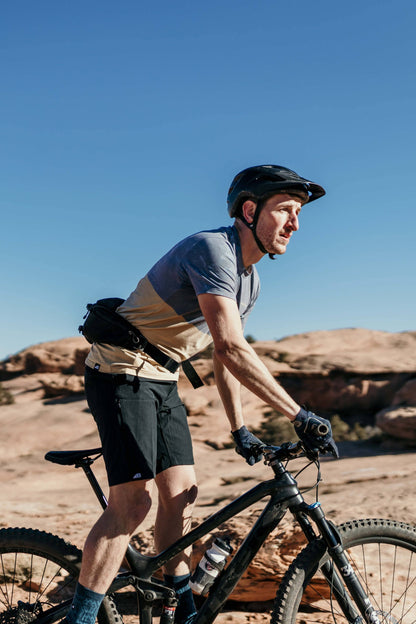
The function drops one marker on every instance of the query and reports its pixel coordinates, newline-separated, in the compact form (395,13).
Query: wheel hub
(24,613)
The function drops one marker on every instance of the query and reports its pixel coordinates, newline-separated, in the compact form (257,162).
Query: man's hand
(315,432)
(247,445)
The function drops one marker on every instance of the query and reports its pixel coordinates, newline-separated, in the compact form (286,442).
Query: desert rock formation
(355,373)
(364,376)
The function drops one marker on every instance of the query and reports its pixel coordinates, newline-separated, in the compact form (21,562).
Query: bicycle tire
(37,571)
(382,553)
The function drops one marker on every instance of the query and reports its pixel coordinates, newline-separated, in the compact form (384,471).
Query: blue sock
(186,610)
(85,605)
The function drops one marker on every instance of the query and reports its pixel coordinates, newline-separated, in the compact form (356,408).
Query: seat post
(85,464)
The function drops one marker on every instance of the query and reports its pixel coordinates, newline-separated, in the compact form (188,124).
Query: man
(201,291)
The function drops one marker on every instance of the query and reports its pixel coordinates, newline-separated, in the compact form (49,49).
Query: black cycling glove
(315,432)
(248,445)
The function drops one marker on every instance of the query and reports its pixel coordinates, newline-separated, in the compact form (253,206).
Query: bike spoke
(408,585)
(387,575)
(38,575)
(393,576)
(57,575)
(42,591)
(2,593)
(363,574)
(380,569)
(395,595)
(28,581)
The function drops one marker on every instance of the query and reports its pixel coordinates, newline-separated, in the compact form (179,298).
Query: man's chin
(279,250)
(276,247)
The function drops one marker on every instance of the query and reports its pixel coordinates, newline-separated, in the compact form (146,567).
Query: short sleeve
(211,268)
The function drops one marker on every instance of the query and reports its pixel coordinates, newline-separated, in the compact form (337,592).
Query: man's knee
(130,502)
(177,487)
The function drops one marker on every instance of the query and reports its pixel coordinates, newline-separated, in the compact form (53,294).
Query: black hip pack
(103,324)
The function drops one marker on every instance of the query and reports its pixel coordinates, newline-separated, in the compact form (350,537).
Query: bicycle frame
(284,495)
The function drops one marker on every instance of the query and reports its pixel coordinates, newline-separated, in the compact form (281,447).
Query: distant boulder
(57,385)
(399,422)
(58,356)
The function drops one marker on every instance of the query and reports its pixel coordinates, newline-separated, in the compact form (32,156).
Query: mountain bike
(362,571)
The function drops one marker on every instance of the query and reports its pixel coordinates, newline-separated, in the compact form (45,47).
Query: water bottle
(210,565)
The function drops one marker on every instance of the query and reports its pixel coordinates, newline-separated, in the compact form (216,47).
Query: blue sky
(122,125)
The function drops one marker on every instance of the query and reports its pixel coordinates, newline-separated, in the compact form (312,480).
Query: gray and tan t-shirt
(164,305)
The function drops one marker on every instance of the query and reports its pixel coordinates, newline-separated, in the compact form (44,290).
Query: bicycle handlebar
(285,452)
(290,450)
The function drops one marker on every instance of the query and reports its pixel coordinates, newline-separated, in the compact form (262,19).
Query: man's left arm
(229,389)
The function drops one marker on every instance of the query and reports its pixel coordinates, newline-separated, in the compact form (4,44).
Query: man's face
(277,221)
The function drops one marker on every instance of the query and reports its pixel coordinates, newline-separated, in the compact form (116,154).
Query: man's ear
(248,209)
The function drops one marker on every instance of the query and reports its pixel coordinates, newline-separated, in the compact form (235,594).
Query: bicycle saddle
(69,458)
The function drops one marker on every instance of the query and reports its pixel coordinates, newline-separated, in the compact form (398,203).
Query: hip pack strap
(192,375)
(170,364)
(103,324)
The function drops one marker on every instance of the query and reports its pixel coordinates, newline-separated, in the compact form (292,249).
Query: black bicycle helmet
(266,179)
(262,181)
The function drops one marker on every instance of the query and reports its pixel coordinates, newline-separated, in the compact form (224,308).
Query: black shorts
(142,425)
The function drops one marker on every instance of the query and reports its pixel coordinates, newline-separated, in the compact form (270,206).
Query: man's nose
(294,221)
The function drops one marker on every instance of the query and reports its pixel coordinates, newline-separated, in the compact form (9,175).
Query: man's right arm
(234,352)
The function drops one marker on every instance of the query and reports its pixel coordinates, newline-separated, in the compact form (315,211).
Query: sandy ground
(366,482)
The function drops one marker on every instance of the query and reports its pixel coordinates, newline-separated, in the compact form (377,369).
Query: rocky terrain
(367,378)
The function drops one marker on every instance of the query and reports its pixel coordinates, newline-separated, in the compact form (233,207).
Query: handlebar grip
(322,429)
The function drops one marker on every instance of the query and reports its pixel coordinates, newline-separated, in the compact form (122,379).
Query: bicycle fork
(338,557)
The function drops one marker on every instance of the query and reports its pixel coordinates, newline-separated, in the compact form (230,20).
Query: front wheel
(383,555)
(38,571)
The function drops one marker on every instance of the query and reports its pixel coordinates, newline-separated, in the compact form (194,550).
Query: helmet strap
(253,227)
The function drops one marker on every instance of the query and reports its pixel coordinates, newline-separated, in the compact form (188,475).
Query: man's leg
(106,545)
(177,493)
